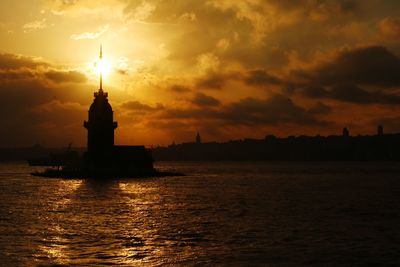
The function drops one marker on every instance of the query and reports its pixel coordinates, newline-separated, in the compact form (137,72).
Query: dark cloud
(12,62)
(314,91)
(22,95)
(27,116)
(363,75)
(348,5)
(203,100)
(320,108)
(327,7)
(193,114)
(138,106)
(65,76)
(24,74)
(179,88)
(260,77)
(213,80)
(34,110)
(355,94)
(274,110)
(278,109)
(352,94)
(374,65)
(122,71)
(15,67)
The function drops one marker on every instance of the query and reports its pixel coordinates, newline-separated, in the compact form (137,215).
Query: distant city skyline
(226,69)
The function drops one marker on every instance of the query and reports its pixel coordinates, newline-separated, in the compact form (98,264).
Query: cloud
(390,27)
(138,106)
(143,11)
(53,112)
(26,123)
(8,75)
(13,61)
(65,76)
(14,68)
(320,108)
(69,2)
(177,88)
(91,35)
(34,25)
(314,91)
(203,100)
(216,79)
(260,77)
(373,65)
(275,110)
(211,81)
(362,75)
(352,94)
(35,110)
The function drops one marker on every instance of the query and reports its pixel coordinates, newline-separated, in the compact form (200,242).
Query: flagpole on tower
(101,67)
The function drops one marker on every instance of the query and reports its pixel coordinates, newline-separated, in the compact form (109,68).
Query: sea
(218,214)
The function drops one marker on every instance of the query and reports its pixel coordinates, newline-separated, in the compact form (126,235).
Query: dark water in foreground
(230,214)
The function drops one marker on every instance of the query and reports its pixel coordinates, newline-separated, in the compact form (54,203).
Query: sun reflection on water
(119,219)
(54,245)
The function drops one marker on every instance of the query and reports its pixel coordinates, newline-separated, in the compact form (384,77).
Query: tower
(198,138)
(380,130)
(346,132)
(100,125)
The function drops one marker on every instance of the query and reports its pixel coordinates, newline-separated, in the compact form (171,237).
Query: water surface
(229,214)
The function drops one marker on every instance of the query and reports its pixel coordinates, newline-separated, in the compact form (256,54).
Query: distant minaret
(346,132)
(198,138)
(380,130)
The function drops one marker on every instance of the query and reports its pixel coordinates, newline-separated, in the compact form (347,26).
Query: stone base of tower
(121,159)
(123,162)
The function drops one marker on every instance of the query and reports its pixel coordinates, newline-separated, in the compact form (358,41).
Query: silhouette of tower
(380,130)
(346,132)
(100,125)
(198,138)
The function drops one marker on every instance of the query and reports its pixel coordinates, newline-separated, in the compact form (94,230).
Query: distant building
(346,132)
(198,138)
(270,137)
(380,130)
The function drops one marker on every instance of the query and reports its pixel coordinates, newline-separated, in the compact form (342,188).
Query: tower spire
(101,68)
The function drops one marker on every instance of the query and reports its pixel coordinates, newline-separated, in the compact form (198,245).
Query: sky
(229,69)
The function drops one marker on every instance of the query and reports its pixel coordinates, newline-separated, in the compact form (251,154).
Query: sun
(104,67)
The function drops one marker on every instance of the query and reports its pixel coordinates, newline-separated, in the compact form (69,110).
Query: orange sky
(228,69)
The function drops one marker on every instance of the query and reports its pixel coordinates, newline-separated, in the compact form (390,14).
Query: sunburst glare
(103,66)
